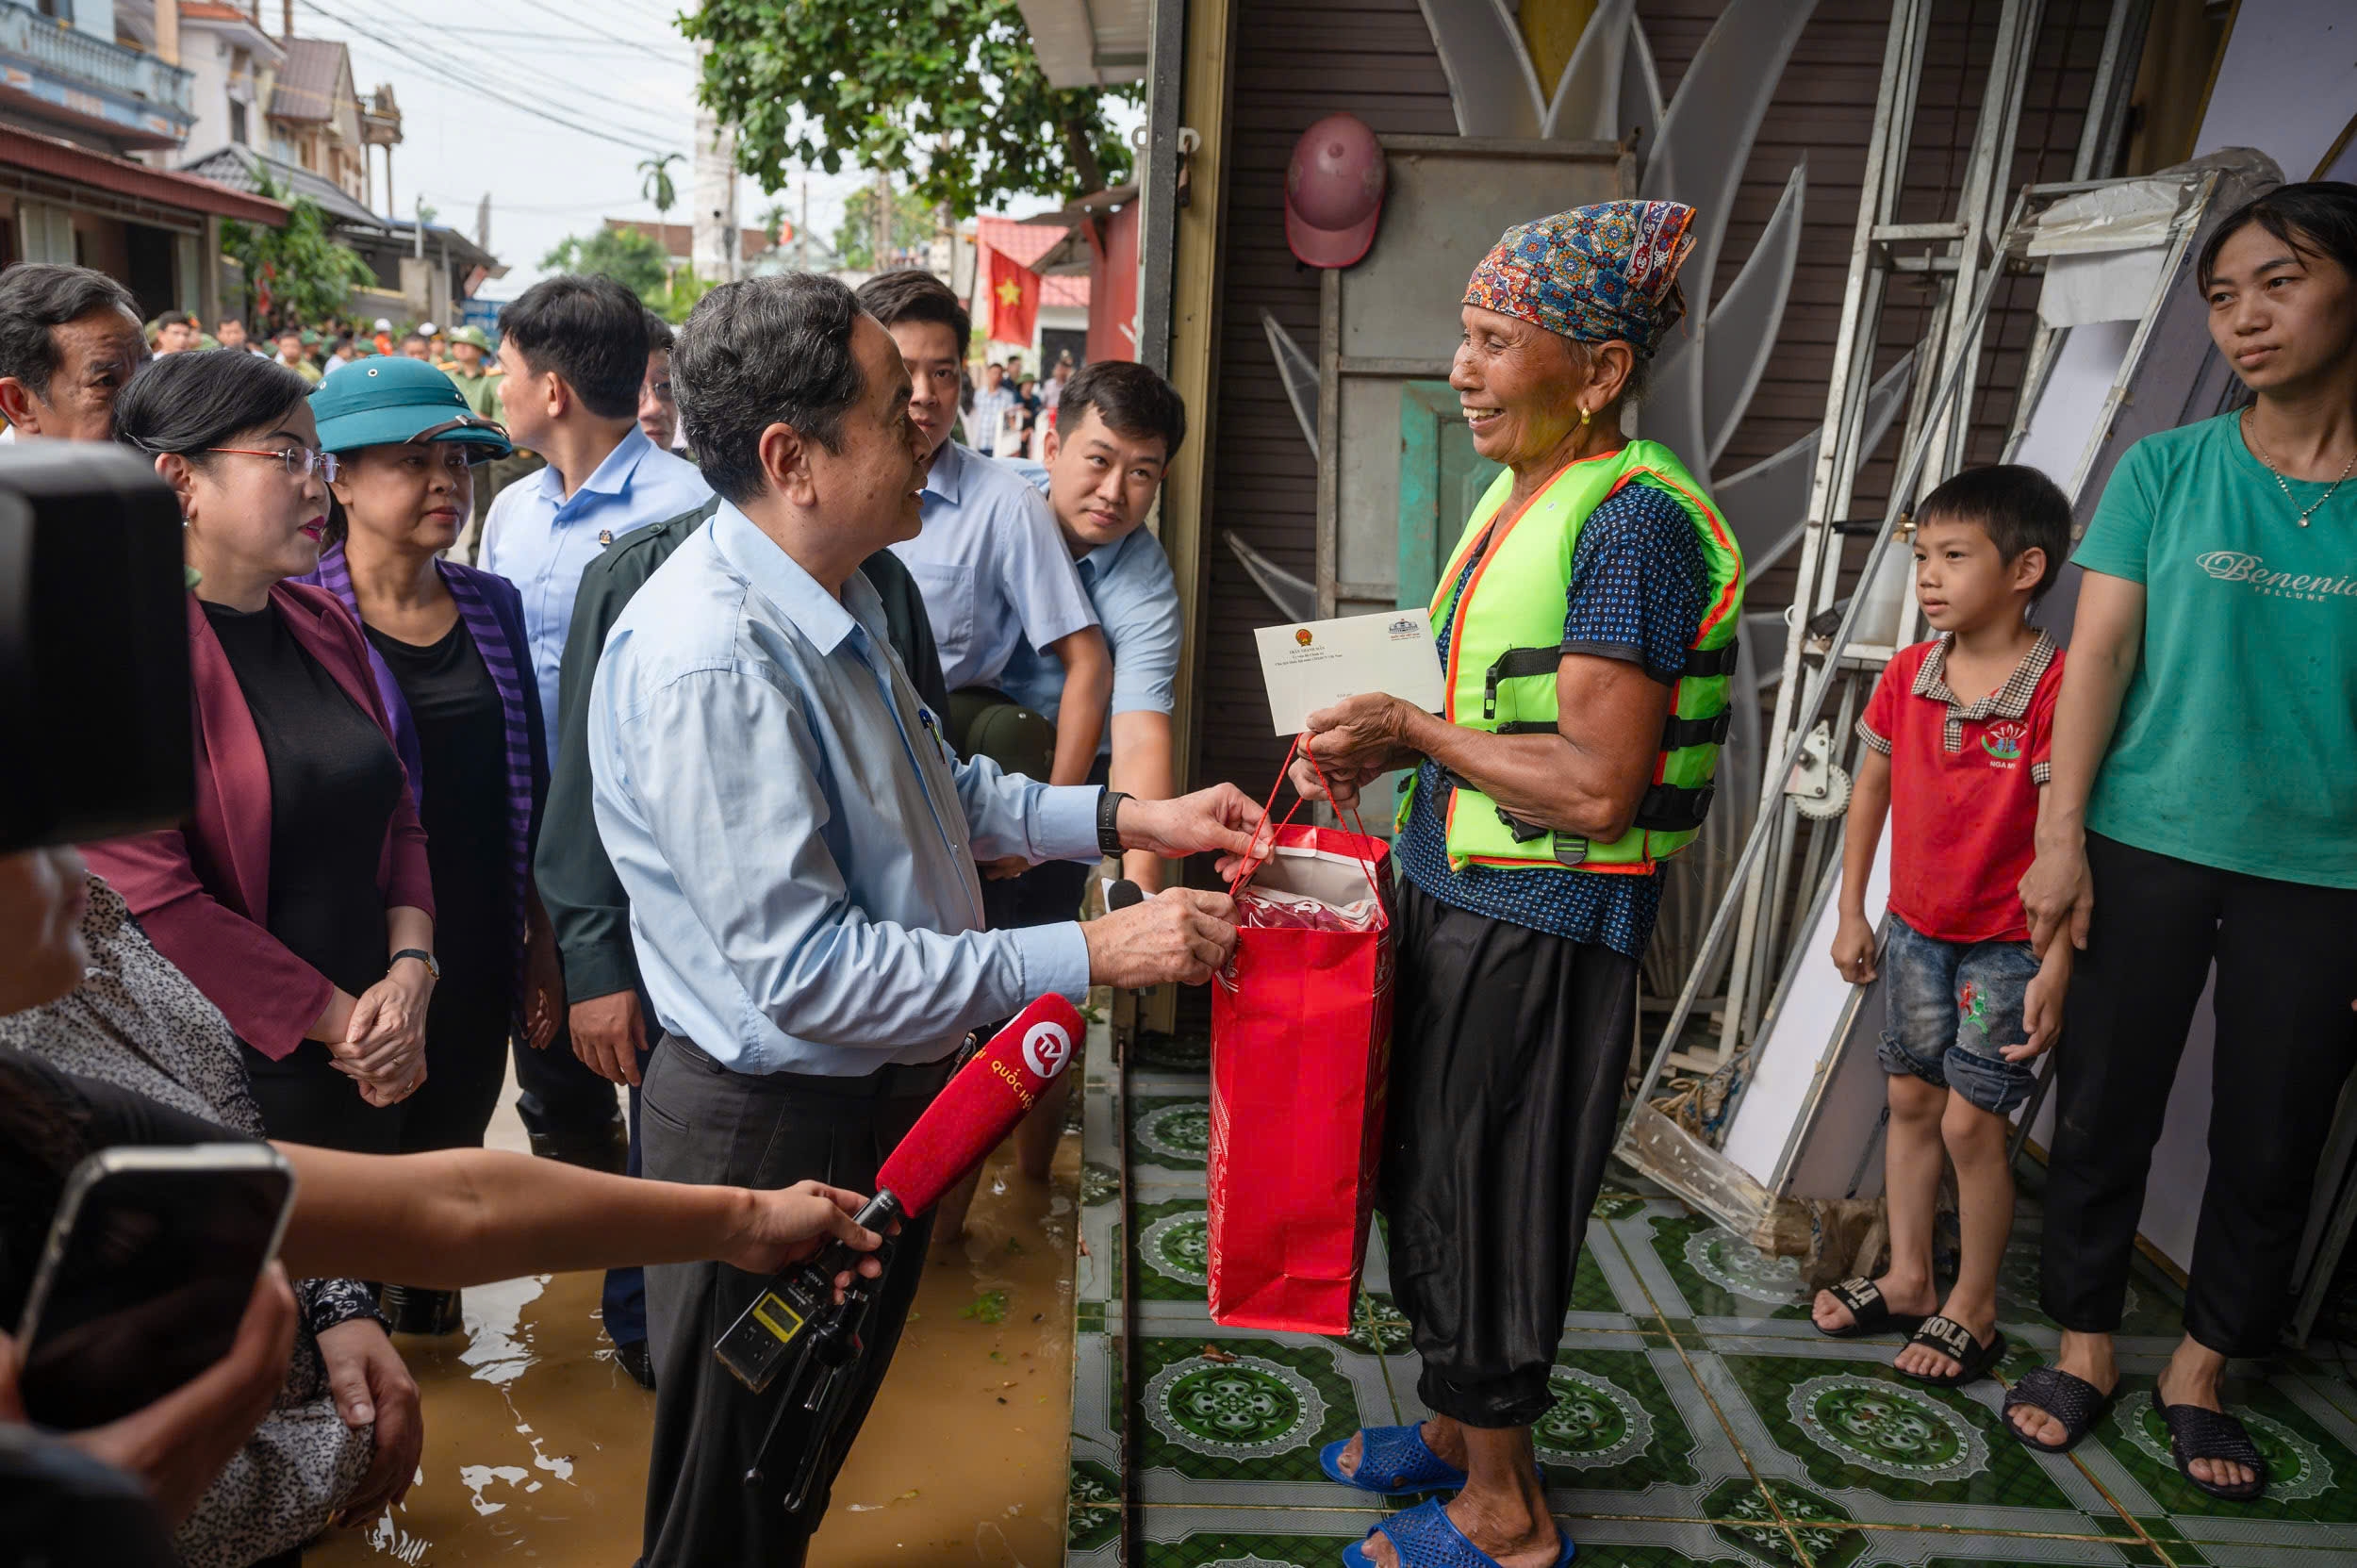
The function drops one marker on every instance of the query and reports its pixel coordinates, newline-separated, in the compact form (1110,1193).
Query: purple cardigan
(494,614)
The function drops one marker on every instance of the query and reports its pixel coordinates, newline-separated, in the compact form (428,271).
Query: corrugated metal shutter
(1295,63)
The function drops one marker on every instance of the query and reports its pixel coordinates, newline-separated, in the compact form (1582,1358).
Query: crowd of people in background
(409,550)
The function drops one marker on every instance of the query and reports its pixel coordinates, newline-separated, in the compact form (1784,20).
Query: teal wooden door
(1440,480)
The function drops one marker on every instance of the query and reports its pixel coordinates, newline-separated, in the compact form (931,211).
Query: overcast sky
(613,68)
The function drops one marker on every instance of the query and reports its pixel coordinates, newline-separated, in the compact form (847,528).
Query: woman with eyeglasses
(298,896)
(446,645)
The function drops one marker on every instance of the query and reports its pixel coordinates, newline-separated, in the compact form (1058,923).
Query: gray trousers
(703,1123)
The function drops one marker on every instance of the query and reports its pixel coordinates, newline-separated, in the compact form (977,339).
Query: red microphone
(971,1115)
(977,1108)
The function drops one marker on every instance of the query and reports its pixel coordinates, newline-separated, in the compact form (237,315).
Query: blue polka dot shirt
(1638,584)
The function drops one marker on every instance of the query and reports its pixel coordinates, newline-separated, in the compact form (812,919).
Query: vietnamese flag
(1014,300)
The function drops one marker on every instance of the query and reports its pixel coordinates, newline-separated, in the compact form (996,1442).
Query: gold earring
(1583,415)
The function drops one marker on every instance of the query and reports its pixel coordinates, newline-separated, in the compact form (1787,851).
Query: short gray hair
(762,352)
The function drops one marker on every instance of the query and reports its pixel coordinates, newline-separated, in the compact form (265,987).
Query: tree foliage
(855,239)
(946,94)
(297,273)
(632,259)
(656,186)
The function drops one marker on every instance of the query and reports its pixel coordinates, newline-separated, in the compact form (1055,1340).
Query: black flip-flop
(2195,1433)
(2068,1398)
(1870,1311)
(1973,1358)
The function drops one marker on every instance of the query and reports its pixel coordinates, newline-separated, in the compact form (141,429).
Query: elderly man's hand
(1221,818)
(1181,934)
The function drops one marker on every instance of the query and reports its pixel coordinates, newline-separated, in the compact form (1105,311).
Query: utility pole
(716,247)
(882,223)
(802,230)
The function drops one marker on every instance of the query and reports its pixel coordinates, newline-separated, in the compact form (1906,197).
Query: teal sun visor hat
(388,402)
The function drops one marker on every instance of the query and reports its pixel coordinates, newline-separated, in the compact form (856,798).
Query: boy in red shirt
(1956,737)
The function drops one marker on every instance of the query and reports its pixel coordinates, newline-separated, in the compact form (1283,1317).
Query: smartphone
(150,1260)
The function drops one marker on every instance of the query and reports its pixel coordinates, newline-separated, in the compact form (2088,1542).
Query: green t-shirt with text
(2236,746)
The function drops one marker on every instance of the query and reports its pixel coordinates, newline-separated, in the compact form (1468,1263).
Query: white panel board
(1798,1043)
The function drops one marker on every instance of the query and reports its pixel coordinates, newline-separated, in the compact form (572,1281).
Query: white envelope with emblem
(1313,665)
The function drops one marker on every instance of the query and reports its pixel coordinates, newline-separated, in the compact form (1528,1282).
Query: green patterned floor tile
(1219,1548)
(1377,1328)
(1614,1427)
(1859,1424)
(1093,1507)
(1169,1053)
(1259,1411)
(2312,1474)
(1724,1275)
(1614,1203)
(1798,1528)
(1173,1132)
(1887,1548)
(1590,1290)
(1173,1250)
(2169,1542)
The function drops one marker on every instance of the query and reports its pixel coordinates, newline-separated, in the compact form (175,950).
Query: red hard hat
(1334,191)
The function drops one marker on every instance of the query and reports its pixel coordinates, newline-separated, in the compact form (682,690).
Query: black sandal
(1953,1339)
(2065,1396)
(2195,1433)
(1869,1313)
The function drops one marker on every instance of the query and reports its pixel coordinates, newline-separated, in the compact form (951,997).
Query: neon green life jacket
(1506,641)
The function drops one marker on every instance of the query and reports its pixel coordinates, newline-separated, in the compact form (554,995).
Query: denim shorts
(1949,1008)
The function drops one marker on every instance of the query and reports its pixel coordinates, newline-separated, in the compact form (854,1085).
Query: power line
(544,6)
(647,113)
(535,110)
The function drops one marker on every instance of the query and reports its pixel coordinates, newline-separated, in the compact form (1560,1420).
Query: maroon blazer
(202,890)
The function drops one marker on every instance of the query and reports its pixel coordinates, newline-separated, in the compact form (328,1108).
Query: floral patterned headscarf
(1595,273)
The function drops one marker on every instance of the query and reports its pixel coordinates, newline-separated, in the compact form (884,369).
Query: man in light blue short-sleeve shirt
(988,559)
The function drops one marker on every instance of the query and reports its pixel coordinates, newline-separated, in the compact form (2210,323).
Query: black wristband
(1108,811)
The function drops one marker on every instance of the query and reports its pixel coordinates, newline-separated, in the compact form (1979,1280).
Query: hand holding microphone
(970,1117)
(792,1223)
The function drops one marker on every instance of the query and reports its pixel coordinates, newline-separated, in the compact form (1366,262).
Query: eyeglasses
(298,461)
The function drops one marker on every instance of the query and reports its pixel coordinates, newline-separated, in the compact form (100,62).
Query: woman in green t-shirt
(2203,810)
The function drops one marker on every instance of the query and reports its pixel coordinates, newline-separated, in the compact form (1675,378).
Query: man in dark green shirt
(607,1012)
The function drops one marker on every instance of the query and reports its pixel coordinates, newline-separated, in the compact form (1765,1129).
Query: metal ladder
(1962,255)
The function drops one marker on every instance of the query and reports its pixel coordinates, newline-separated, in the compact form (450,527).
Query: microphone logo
(1046,1049)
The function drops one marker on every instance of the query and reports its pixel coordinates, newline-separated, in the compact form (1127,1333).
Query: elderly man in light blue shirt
(799,847)
(574,355)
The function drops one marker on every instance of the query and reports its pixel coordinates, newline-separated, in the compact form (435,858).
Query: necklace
(2252,435)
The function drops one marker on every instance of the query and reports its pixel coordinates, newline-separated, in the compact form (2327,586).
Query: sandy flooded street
(535,1446)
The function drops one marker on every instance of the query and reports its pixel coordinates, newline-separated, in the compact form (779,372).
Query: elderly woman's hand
(1350,745)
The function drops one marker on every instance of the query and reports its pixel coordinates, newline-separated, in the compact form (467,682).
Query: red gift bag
(1301,1035)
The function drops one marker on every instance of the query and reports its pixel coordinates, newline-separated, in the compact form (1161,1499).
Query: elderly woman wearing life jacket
(1587,623)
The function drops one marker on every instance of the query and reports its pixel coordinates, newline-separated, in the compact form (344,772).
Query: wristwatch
(1107,812)
(421,956)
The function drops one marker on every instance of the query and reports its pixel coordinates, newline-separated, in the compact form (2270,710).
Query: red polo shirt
(1964,782)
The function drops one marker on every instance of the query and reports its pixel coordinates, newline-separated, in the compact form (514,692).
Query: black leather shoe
(607,1150)
(638,1361)
(414,1309)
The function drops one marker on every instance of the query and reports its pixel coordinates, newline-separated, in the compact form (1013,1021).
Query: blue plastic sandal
(1392,1458)
(1425,1537)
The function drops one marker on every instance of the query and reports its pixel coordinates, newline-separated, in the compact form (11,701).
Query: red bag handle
(1356,824)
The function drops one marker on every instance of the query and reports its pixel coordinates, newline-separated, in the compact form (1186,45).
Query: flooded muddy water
(535,1442)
